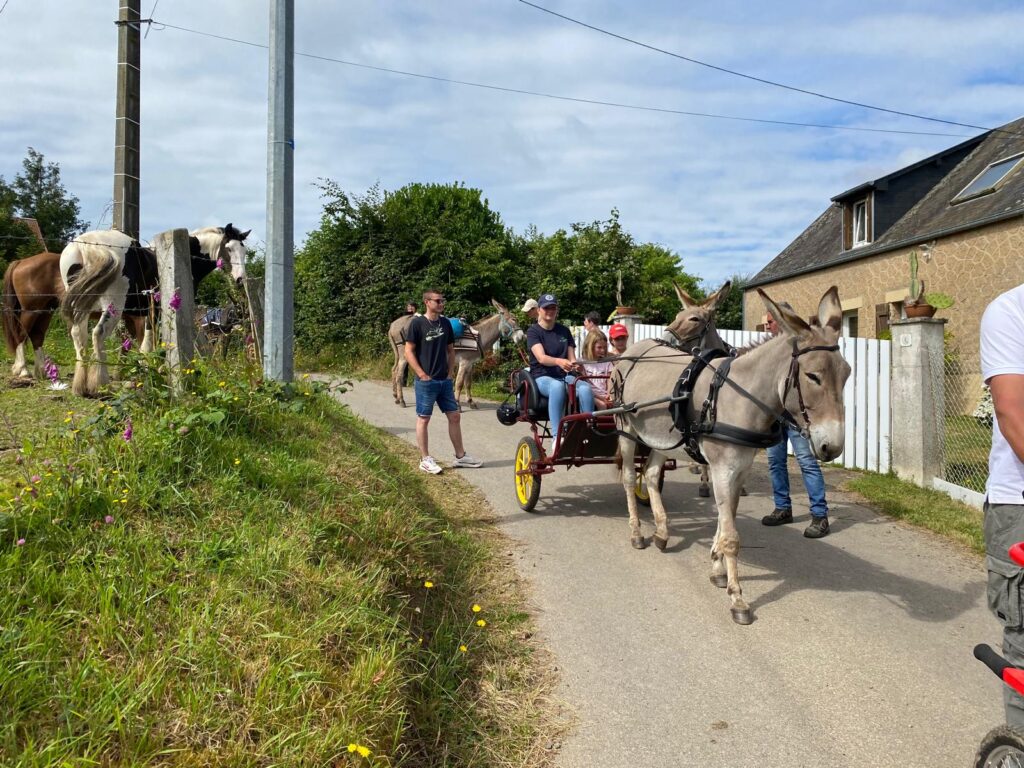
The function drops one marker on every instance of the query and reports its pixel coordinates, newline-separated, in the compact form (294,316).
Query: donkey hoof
(660,543)
(742,616)
(743,491)
(704,492)
(720,580)
(638,542)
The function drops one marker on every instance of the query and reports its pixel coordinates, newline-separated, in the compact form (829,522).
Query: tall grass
(246,575)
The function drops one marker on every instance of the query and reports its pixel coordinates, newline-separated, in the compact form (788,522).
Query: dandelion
(305,375)
(222,384)
(463,648)
(481,622)
(108,519)
(127,434)
(126,345)
(20,542)
(363,751)
(175,302)
(477,608)
(428,584)
(67,420)
(237,462)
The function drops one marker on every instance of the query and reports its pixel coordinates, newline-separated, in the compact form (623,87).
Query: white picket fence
(866,396)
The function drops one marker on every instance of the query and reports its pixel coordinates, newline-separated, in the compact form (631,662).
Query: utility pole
(126,132)
(279,326)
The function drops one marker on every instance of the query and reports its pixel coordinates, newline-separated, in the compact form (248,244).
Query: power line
(559,97)
(753,77)
(2,7)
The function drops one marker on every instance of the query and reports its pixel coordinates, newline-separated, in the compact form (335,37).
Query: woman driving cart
(553,362)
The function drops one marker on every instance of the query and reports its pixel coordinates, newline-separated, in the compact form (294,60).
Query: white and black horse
(108,274)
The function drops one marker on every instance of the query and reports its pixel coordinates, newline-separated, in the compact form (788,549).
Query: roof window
(988,180)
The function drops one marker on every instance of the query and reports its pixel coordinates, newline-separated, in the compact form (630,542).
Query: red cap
(618,329)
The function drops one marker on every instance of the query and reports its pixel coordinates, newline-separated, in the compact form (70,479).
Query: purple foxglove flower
(127,434)
(220,263)
(111,311)
(156,296)
(175,301)
(126,345)
(21,542)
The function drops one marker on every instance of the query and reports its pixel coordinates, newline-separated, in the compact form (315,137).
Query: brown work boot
(778,517)
(818,528)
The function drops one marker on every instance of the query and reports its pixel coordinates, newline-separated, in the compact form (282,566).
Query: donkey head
(694,325)
(507,325)
(813,390)
(233,245)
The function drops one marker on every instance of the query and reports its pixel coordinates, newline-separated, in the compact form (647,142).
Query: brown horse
(483,336)
(32,292)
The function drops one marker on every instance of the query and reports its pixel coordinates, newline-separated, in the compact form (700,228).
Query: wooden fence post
(177,325)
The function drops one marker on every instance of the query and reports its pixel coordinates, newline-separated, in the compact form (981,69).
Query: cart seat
(529,398)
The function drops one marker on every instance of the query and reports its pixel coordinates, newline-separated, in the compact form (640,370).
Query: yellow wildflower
(477,609)
(481,623)
(428,584)
(363,751)
(222,384)
(237,462)
(463,648)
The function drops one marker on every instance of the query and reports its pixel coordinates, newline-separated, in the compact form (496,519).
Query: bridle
(793,382)
(506,327)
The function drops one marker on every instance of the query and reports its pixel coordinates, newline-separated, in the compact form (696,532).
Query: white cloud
(727,196)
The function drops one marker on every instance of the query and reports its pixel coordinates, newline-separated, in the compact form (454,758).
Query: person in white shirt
(1002,368)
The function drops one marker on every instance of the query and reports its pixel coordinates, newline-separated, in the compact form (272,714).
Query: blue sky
(726,196)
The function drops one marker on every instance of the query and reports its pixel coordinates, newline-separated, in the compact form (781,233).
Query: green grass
(243,583)
(922,507)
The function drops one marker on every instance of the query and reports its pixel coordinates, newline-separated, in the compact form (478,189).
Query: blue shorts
(437,391)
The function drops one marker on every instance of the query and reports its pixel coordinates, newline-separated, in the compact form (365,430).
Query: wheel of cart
(583,438)
(1002,747)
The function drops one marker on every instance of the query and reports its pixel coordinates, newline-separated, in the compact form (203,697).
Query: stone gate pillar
(918,399)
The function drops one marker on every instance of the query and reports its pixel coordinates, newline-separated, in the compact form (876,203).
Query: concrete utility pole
(279,327)
(126,133)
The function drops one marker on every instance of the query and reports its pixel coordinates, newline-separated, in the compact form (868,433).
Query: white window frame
(848,315)
(859,223)
(961,198)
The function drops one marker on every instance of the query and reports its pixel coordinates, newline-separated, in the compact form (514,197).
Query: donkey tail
(102,264)
(14,334)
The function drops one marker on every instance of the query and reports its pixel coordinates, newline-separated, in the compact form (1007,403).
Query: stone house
(961,210)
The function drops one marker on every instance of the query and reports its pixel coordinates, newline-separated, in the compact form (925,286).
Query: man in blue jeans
(430,352)
(552,361)
(778,471)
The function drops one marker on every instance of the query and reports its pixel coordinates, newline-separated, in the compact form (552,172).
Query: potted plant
(921,304)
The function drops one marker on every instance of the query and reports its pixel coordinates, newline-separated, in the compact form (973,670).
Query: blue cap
(546,300)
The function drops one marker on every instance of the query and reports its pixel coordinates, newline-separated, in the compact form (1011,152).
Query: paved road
(860,654)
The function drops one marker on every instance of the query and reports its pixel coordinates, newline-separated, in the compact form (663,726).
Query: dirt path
(860,654)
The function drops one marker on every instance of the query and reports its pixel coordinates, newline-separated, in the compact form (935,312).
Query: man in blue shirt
(552,361)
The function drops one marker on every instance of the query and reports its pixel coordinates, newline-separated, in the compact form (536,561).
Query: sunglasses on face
(437,301)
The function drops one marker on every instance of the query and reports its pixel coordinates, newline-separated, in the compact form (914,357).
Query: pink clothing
(600,386)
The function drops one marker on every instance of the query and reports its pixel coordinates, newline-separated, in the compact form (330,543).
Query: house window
(850,324)
(881,319)
(860,223)
(857,223)
(988,180)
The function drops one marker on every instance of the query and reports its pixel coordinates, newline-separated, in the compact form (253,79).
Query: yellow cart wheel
(640,489)
(527,482)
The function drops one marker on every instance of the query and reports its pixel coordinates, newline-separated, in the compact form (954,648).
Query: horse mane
(753,345)
(211,240)
(102,253)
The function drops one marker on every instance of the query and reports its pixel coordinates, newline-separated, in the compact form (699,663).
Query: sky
(725,195)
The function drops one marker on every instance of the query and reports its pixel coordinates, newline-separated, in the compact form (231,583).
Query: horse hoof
(660,543)
(742,616)
(743,491)
(704,492)
(720,580)
(638,542)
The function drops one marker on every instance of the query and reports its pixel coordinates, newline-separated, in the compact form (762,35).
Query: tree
(730,311)
(37,193)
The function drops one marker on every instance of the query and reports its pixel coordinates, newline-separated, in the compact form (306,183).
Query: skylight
(989,179)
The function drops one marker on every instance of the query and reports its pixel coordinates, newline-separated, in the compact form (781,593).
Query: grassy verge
(248,576)
(923,507)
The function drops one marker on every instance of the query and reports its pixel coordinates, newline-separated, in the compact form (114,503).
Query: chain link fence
(967,415)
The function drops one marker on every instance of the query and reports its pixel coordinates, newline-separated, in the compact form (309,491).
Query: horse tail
(102,264)
(14,334)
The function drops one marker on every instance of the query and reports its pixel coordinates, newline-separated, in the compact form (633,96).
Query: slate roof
(820,245)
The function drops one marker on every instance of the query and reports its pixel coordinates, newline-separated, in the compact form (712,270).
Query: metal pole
(126,132)
(278,353)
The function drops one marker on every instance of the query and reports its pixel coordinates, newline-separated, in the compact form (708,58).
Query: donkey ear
(498,306)
(712,301)
(830,310)
(788,320)
(684,298)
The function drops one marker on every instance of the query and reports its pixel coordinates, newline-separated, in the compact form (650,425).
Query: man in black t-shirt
(552,361)
(430,352)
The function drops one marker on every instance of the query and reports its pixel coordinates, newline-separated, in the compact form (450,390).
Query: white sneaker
(467,461)
(429,465)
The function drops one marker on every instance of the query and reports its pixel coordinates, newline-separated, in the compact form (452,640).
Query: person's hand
(565,365)
(423,376)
